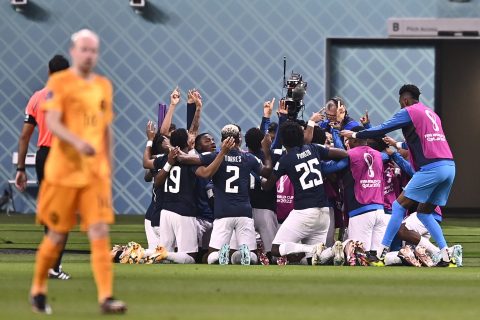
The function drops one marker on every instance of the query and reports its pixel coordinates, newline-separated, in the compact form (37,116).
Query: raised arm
(174,100)
(267,114)
(266,168)
(197,99)
(147,154)
(208,172)
(308,133)
(282,118)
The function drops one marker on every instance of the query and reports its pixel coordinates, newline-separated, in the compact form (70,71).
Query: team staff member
(78,111)
(33,118)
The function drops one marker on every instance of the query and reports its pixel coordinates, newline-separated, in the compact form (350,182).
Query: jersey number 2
(228,183)
(307,168)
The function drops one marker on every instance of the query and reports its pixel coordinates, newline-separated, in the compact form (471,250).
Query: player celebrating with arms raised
(78,170)
(432,160)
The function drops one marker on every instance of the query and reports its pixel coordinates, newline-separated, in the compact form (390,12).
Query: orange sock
(102,267)
(47,255)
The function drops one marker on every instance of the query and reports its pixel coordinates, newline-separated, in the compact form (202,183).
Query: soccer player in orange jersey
(78,112)
(35,118)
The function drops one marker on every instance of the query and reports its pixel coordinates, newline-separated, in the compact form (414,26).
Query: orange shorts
(59,206)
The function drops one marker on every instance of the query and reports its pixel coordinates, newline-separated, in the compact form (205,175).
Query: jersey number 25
(307,168)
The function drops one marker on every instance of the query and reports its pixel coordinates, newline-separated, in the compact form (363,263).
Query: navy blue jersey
(302,166)
(231,183)
(259,198)
(157,194)
(179,189)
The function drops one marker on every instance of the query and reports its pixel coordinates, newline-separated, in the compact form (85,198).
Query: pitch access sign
(433,27)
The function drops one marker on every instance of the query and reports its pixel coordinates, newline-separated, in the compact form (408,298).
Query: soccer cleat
(245,255)
(224,254)
(61,275)
(407,256)
(422,256)
(160,254)
(436,257)
(338,255)
(350,252)
(378,263)
(316,254)
(264,261)
(457,255)
(360,255)
(39,304)
(282,261)
(447,264)
(112,306)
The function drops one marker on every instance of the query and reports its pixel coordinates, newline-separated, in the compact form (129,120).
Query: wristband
(167,167)
(21,169)
(149,143)
(311,123)
(354,135)
(398,145)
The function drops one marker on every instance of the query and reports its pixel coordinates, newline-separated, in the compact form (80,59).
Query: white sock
(380,250)
(290,247)
(444,253)
(180,257)
(304,261)
(236,258)
(431,248)
(326,256)
(253,258)
(392,259)
(213,258)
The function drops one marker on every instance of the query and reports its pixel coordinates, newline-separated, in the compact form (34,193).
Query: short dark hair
(198,138)
(253,139)
(411,89)
(179,138)
(377,144)
(157,143)
(58,63)
(319,135)
(291,134)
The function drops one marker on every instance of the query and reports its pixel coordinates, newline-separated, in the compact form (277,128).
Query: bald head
(84,51)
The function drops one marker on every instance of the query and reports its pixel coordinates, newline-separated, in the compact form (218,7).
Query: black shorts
(40,160)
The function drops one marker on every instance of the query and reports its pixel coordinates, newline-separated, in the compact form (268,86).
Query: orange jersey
(32,111)
(86,108)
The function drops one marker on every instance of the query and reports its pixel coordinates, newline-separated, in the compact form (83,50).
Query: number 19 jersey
(302,166)
(232,182)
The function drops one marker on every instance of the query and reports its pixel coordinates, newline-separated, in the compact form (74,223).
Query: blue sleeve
(323,124)
(367,125)
(399,120)
(403,164)
(352,124)
(276,143)
(264,124)
(337,141)
(191,109)
(334,166)
(207,158)
(404,145)
(385,157)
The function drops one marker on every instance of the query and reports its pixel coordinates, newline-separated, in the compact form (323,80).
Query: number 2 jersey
(232,182)
(302,166)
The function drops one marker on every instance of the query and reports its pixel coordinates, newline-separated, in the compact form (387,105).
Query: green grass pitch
(237,292)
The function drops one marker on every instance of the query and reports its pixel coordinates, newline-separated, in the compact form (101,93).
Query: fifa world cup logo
(281,187)
(369,160)
(432,118)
